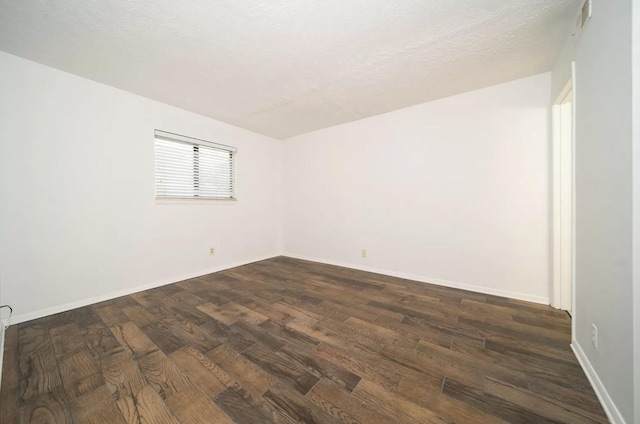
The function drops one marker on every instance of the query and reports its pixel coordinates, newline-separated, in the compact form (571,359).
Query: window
(188,168)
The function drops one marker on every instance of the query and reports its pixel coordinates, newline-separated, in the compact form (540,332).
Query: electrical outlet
(212,251)
(594,335)
(363,253)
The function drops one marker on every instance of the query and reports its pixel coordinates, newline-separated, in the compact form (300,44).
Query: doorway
(563,199)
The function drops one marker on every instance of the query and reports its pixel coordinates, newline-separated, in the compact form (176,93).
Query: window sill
(193,201)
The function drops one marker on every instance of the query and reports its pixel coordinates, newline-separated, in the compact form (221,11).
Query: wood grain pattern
(283,369)
(39,372)
(9,397)
(162,374)
(133,339)
(193,406)
(100,340)
(80,374)
(95,407)
(347,407)
(236,403)
(296,407)
(152,408)
(250,375)
(506,410)
(46,408)
(124,381)
(288,341)
(200,370)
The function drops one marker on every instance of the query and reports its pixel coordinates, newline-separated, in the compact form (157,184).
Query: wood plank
(548,407)
(163,337)
(450,409)
(234,402)
(281,367)
(296,407)
(66,340)
(33,337)
(153,305)
(516,331)
(82,317)
(316,332)
(477,398)
(162,374)
(409,313)
(362,363)
(559,373)
(190,334)
(194,407)
(258,334)
(300,340)
(133,339)
(383,336)
(232,312)
(124,380)
(210,378)
(124,302)
(100,340)
(80,374)
(586,401)
(95,407)
(45,408)
(9,400)
(39,373)
(250,375)
(347,407)
(321,368)
(299,314)
(204,290)
(393,405)
(139,315)
(230,337)
(110,313)
(187,297)
(152,409)
(455,365)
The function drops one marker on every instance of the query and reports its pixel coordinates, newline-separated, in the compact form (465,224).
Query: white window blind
(189,168)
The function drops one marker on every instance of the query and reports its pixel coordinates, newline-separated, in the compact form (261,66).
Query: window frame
(197,148)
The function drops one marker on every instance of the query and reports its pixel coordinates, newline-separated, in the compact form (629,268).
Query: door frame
(557,299)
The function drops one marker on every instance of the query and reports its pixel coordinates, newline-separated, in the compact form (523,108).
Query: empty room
(320,212)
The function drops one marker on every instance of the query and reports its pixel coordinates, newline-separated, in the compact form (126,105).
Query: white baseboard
(17,319)
(608,405)
(437,281)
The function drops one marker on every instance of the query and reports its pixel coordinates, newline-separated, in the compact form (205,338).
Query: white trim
(558,230)
(437,281)
(568,88)
(4,324)
(574,281)
(195,200)
(192,140)
(605,399)
(112,295)
(635,131)
(555,212)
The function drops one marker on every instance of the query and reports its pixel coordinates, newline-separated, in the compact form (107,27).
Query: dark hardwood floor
(290,341)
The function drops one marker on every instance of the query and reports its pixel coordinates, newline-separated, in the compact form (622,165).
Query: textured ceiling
(287,67)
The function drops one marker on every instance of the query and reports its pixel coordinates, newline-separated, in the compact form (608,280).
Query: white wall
(78,217)
(454,191)
(604,227)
